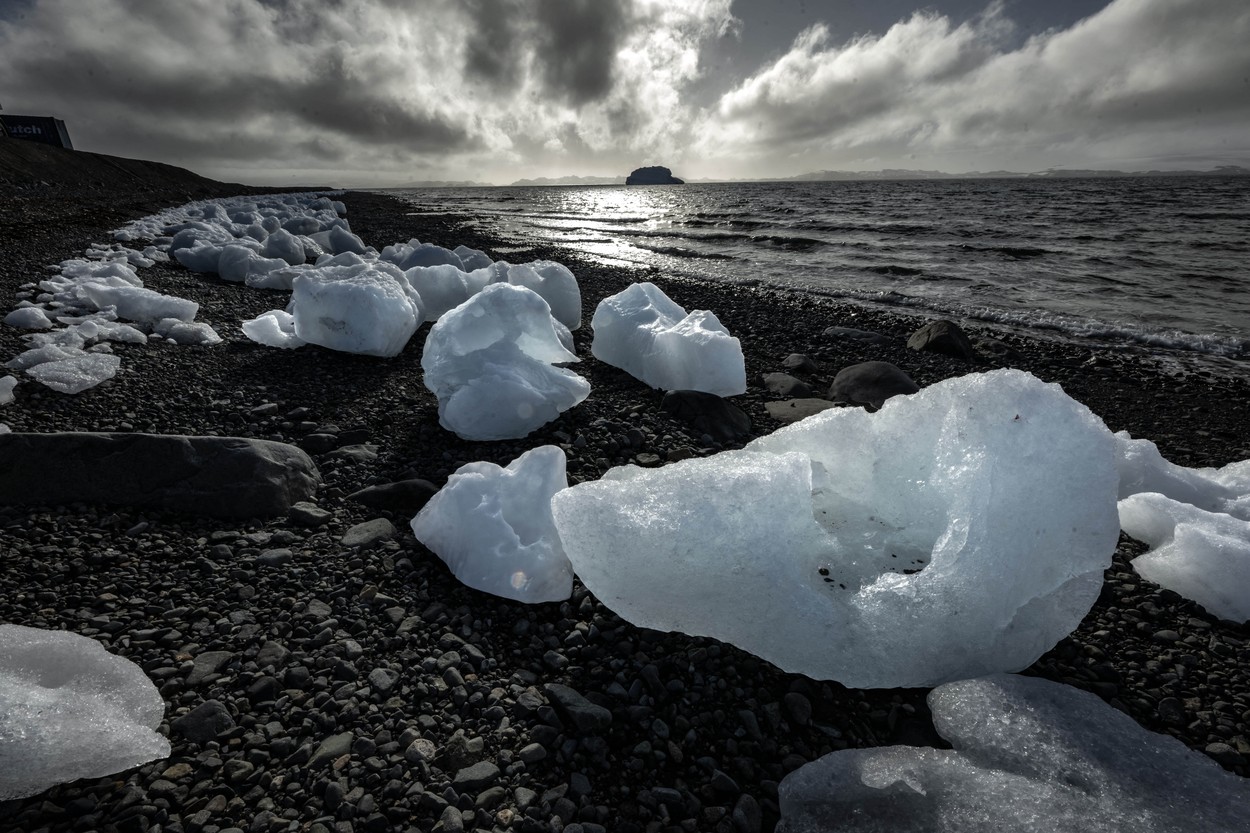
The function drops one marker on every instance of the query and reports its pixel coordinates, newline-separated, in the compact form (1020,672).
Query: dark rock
(224,477)
(368,533)
(870,383)
(333,747)
(654,175)
(576,711)
(800,363)
(708,413)
(309,514)
(792,410)
(783,384)
(945,337)
(473,779)
(994,350)
(203,723)
(852,334)
(207,663)
(405,497)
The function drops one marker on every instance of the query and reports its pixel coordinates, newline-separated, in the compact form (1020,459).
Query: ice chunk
(956,532)
(1204,556)
(472,258)
(415,253)
(4,429)
(183,332)
(1029,756)
(237,262)
(69,709)
(275,328)
(492,527)
(643,332)
(202,257)
(490,363)
(77,373)
(28,318)
(44,353)
(557,286)
(7,384)
(356,309)
(340,240)
(1144,469)
(441,288)
(138,304)
(285,246)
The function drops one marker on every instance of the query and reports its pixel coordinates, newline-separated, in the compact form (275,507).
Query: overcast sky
(377,92)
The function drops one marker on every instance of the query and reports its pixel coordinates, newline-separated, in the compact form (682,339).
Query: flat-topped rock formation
(655,175)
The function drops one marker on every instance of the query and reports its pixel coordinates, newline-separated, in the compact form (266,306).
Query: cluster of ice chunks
(957,532)
(69,709)
(492,526)
(75,316)
(1196,521)
(491,363)
(646,334)
(1028,755)
(367,308)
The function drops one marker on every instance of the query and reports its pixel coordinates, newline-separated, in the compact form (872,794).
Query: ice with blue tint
(492,526)
(69,710)
(959,531)
(368,309)
(1029,756)
(491,363)
(648,335)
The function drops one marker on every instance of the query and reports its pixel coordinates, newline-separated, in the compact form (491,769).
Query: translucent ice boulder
(645,333)
(959,531)
(555,283)
(1029,756)
(1204,556)
(490,362)
(7,384)
(492,527)
(275,328)
(441,288)
(76,373)
(69,709)
(368,309)
(135,303)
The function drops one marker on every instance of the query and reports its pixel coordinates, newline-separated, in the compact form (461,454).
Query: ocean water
(1154,264)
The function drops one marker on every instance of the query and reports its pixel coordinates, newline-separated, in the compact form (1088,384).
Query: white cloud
(1141,78)
(440,88)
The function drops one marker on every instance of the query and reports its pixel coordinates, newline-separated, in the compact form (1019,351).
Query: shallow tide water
(1155,264)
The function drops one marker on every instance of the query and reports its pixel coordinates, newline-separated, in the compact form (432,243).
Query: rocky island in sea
(654,175)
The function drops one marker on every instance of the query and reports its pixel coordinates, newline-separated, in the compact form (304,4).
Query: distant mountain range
(571,180)
(1053,173)
(442,183)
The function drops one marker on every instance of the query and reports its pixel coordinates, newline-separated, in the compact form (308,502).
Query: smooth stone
(309,514)
(943,336)
(225,477)
(476,777)
(783,384)
(405,496)
(870,383)
(209,662)
(792,410)
(203,723)
(575,710)
(862,336)
(368,533)
(332,748)
(708,413)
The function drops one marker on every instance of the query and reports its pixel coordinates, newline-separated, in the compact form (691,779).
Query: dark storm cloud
(577,44)
(494,48)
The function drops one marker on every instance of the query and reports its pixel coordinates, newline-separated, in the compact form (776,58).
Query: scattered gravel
(324,672)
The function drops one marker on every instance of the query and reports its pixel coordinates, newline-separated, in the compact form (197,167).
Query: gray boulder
(706,412)
(404,496)
(943,336)
(783,384)
(792,410)
(852,334)
(221,477)
(870,383)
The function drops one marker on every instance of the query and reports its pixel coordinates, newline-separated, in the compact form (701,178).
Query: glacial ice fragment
(1029,756)
(76,373)
(492,527)
(490,363)
(365,309)
(69,709)
(646,334)
(959,531)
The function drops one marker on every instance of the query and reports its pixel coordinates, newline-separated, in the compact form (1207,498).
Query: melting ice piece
(441,288)
(76,373)
(959,531)
(7,384)
(368,309)
(1144,469)
(184,332)
(646,334)
(492,527)
(275,328)
(1029,756)
(69,709)
(1204,556)
(554,282)
(28,318)
(137,304)
(490,363)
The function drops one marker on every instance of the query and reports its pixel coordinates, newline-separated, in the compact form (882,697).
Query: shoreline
(699,730)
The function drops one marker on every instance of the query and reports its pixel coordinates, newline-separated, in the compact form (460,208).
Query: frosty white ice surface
(959,531)
(69,709)
(4,429)
(285,246)
(202,257)
(40,355)
(1144,469)
(357,309)
(143,305)
(1204,556)
(490,363)
(441,288)
(1029,756)
(646,334)
(77,373)
(7,384)
(492,527)
(184,332)
(275,328)
(472,258)
(28,318)
(415,253)
(557,286)
(239,263)
(340,240)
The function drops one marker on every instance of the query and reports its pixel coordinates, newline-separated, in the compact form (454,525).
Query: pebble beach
(325,672)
